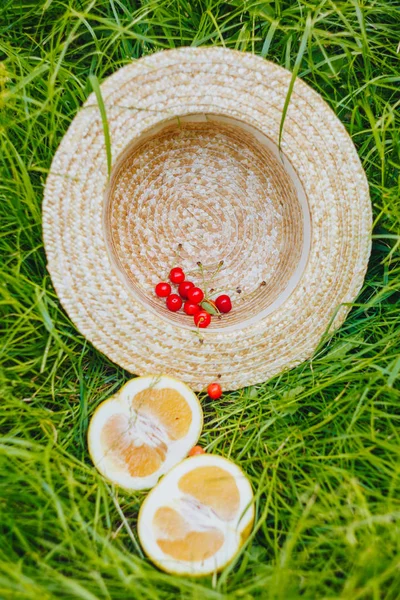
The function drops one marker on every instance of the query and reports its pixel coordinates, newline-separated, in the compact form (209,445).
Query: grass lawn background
(320,443)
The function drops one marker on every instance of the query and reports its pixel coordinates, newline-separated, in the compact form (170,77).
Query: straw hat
(195,162)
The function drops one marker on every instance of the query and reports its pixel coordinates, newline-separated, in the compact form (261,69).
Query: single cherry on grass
(163,289)
(195,295)
(184,287)
(214,391)
(191,308)
(174,302)
(202,319)
(176,275)
(223,303)
(196,450)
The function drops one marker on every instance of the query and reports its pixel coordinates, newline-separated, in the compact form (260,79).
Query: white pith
(146,430)
(199,516)
(142,429)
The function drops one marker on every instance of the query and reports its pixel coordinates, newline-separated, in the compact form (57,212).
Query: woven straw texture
(194,136)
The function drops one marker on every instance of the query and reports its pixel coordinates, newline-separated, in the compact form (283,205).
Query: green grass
(320,443)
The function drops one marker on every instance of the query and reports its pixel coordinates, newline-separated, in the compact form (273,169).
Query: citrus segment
(138,434)
(168,407)
(176,540)
(140,460)
(214,487)
(169,524)
(195,546)
(197,517)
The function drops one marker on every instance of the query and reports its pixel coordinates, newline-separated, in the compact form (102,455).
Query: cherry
(177,275)
(174,302)
(191,308)
(184,287)
(202,319)
(223,303)
(195,295)
(196,450)
(214,391)
(163,289)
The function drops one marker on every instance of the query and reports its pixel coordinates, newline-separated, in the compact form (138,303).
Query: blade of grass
(94,82)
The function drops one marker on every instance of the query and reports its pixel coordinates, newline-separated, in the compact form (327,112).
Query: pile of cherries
(192,298)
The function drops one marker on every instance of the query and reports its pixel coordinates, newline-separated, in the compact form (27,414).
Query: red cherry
(195,295)
(184,287)
(202,319)
(196,450)
(177,275)
(191,308)
(174,302)
(214,391)
(223,303)
(163,289)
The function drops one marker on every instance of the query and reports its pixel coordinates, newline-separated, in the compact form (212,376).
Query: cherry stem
(199,334)
(177,254)
(217,292)
(208,282)
(220,265)
(203,277)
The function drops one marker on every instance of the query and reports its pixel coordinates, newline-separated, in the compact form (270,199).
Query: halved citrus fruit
(138,434)
(197,517)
